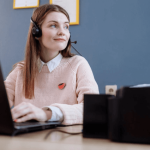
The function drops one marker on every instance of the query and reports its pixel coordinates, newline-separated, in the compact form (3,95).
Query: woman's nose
(61,31)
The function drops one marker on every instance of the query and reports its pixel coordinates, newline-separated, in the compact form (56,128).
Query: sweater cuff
(73,114)
(57,115)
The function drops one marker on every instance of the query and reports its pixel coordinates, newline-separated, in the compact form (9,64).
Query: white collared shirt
(57,115)
(52,64)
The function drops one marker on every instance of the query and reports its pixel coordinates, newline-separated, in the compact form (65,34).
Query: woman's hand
(26,111)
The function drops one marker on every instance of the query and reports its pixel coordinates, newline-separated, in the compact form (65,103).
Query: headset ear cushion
(36,32)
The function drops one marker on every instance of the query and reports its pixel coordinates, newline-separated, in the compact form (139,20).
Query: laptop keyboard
(29,123)
(36,124)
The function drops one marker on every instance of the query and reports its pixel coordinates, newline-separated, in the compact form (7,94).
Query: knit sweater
(74,71)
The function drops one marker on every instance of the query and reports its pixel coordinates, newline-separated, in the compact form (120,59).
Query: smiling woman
(50,83)
(55,31)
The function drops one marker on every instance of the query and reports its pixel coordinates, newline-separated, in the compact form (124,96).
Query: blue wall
(113,35)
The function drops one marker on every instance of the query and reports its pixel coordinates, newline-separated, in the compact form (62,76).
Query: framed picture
(19,4)
(72,7)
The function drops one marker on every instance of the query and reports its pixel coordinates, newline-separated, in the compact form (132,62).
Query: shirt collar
(52,64)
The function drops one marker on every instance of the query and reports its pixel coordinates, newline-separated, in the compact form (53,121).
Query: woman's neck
(46,56)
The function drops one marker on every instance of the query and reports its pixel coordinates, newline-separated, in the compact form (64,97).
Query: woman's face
(55,32)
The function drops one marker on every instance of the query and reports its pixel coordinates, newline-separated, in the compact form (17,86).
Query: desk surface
(57,140)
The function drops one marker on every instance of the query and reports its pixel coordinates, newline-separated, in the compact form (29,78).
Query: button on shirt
(57,115)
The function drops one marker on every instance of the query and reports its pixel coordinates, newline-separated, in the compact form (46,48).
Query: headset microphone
(75,42)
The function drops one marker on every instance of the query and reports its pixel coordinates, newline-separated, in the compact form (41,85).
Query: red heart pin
(61,86)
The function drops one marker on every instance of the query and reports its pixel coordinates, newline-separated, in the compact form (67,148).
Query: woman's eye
(66,27)
(53,26)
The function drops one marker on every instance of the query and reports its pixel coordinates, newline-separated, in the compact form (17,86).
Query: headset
(37,32)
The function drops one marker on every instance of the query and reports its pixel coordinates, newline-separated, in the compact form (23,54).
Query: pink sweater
(75,72)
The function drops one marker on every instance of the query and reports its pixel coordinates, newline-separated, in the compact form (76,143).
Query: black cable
(75,42)
(76,50)
(74,133)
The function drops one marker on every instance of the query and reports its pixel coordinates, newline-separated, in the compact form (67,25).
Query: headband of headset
(36,31)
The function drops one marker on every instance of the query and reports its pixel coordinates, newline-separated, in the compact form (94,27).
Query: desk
(62,141)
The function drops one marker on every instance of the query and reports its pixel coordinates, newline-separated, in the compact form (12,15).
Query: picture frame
(71,6)
(20,4)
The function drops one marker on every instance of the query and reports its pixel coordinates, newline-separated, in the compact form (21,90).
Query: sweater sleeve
(73,114)
(10,83)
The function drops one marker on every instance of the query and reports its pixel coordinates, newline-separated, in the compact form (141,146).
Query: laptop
(8,126)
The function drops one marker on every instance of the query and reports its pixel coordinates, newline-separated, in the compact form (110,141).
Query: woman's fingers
(21,110)
(26,118)
(26,111)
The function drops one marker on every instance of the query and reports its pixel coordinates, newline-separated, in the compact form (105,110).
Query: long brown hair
(33,48)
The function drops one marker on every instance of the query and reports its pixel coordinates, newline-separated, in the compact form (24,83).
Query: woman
(51,82)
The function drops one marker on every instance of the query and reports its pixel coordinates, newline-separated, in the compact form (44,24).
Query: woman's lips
(62,40)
